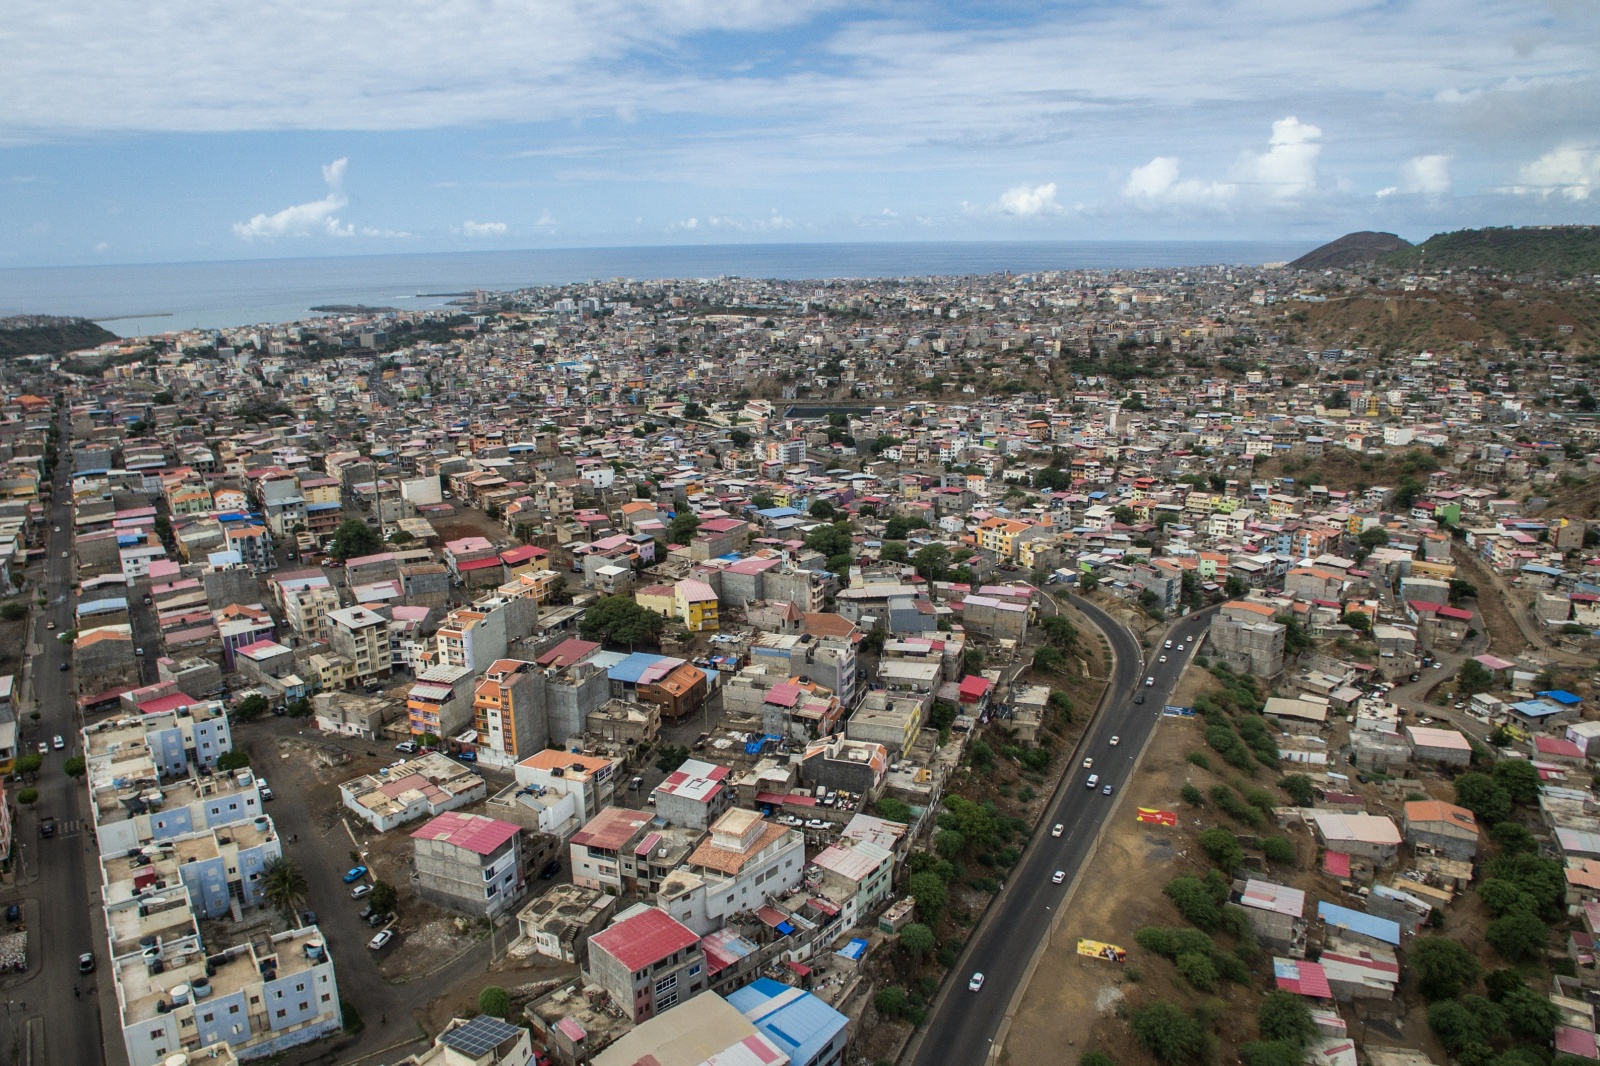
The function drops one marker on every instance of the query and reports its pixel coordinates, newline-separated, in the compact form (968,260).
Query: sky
(157,131)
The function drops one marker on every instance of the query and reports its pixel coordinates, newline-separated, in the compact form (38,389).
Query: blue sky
(159,131)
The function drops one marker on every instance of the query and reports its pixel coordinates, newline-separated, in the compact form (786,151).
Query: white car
(976,982)
(1057,829)
(1115,741)
(360,890)
(381,941)
(57,743)
(1058,877)
(44,749)
(63,555)
(1149,681)
(1162,659)
(1169,644)
(1088,763)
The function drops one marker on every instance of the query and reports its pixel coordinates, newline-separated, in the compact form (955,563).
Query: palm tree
(284,887)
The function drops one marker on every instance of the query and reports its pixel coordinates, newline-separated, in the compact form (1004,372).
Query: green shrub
(1198,970)
(1278,850)
(1192,796)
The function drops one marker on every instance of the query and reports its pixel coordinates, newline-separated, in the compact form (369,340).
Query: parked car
(381,941)
(14,913)
(407,747)
(375,920)
(467,756)
(266,789)
(86,962)
(49,625)
(309,917)
(367,911)
(360,890)
(44,749)
(355,873)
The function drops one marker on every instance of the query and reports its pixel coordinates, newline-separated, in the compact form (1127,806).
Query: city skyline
(138,135)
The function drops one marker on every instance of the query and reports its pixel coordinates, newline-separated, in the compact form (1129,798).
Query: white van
(1094,779)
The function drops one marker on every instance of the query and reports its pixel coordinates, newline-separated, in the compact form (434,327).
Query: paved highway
(60,896)
(962,1028)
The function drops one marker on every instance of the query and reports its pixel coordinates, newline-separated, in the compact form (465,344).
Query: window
(282,1013)
(157,1034)
(326,998)
(300,987)
(694,969)
(667,984)
(667,1001)
(207,1017)
(233,1008)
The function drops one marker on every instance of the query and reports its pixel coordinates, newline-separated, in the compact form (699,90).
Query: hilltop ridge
(1353,249)
(49,335)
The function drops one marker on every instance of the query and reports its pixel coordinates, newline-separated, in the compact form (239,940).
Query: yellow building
(695,603)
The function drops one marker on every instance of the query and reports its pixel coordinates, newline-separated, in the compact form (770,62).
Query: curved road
(962,1027)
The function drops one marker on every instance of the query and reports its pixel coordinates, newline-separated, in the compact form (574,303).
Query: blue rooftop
(778,512)
(1561,696)
(1366,924)
(800,1024)
(1536,708)
(629,670)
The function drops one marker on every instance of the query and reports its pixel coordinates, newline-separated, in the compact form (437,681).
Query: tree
(525,532)
(830,540)
(1087,582)
(1530,1015)
(1483,796)
(892,810)
(28,796)
(1443,967)
(301,708)
(890,1001)
(929,893)
(1234,587)
(684,525)
(1059,631)
(932,561)
(1168,1033)
(1222,849)
(1360,621)
(1194,901)
(400,536)
(251,707)
(492,512)
(74,766)
(1270,1053)
(1285,1016)
(739,438)
(353,538)
(900,526)
(619,620)
(29,764)
(949,843)
(670,757)
(1299,789)
(893,551)
(917,939)
(284,887)
(1519,779)
(822,509)
(1049,660)
(1518,936)
(13,611)
(383,896)
(1371,539)
(1278,849)
(494,1001)
(229,761)
(1473,678)
(1513,838)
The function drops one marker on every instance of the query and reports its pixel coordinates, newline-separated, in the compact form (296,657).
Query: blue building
(803,1027)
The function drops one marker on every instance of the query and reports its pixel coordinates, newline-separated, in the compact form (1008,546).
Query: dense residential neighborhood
(685,672)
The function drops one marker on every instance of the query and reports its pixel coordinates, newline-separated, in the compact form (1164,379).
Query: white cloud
(102,248)
(1029,201)
(545,218)
(303,220)
(1571,170)
(1285,171)
(1425,175)
(1288,167)
(470,228)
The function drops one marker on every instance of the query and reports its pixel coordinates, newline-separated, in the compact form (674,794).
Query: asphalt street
(962,1027)
(57,866)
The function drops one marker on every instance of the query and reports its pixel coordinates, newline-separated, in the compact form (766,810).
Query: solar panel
(479,1036)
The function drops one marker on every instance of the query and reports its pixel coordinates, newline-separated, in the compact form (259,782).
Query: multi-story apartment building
(306,598)
(745,862)
(440,703)
(361,638)
(508,709)
(469,863)
(648,961)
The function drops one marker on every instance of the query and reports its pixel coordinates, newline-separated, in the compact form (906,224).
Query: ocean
(151,298)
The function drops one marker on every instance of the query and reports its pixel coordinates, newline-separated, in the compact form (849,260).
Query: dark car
(376,920)
(367,912)
(550,870)
(1139,698)
(310,917)
(86,962)
(14,913)
(467,756)
(47,826)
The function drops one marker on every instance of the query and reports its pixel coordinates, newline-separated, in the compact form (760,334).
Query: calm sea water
(155,298)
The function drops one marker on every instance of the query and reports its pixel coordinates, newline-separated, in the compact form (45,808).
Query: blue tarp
(1381,929)
(1561,696)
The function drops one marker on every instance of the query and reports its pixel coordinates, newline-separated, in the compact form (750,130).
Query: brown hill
(1351,250)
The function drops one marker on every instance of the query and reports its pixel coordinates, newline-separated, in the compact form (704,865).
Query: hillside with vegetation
(1558,250)
(49,335)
